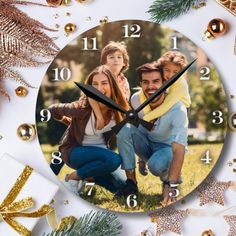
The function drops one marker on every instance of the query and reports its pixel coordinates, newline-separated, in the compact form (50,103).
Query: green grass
(194,172)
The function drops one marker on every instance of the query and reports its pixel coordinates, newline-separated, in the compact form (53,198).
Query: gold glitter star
(168,219)
(231,220)
(212,190)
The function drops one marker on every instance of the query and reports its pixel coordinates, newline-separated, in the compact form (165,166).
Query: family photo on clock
(93,144)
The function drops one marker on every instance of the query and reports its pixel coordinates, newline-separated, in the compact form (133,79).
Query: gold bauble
(215,28)
(21,91)
(207,233)
(26,132)
(70,28)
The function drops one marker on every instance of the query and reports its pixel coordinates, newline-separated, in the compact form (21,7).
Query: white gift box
(38,187)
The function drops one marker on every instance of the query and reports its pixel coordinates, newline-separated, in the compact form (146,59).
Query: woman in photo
(85,148)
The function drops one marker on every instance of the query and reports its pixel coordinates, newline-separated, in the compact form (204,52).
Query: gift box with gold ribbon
(25,196)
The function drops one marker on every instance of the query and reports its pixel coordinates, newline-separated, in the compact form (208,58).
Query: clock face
(84,172)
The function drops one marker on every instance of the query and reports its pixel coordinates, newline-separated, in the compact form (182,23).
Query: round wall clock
(117,160)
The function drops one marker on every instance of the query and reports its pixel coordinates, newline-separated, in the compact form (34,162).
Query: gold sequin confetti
(68,14)
(66,202)
(21,91)
(168,219)
(231,96)
(234,170)
(212,190)
(53,201)
(231,220)
(104,20)
(229,163)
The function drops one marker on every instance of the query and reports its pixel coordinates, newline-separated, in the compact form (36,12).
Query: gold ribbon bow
(10,209)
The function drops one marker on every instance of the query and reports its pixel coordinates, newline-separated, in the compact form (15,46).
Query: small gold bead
(70,28)
(21,91)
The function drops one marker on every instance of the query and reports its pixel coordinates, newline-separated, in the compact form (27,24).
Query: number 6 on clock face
(60,113)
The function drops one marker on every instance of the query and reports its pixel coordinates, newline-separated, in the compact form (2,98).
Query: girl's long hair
(116,94)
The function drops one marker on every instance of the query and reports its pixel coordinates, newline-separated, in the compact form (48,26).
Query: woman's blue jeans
(100,163)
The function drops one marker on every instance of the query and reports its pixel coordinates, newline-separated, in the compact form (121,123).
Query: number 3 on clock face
(145,42)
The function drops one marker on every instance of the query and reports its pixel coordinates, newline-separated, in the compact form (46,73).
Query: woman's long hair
(116,94)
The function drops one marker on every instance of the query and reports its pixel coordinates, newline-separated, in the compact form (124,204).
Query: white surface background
(22,110)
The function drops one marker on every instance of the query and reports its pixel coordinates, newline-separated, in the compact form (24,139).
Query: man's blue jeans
(131,141)
(100,163)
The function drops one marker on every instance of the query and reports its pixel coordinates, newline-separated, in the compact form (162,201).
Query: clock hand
(166,85)
(95,94)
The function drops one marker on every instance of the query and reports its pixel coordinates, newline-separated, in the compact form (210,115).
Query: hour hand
(95,94)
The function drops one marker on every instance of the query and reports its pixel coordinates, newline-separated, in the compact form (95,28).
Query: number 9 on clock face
(128,61)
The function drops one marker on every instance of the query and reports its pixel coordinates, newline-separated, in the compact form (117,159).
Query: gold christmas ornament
(207,233)
(26,132)
(215,28)
(70,28)
(21,91)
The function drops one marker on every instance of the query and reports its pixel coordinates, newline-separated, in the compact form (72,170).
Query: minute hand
(93,93)
(166,85)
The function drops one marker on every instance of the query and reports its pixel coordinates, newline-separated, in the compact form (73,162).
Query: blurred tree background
(207,96)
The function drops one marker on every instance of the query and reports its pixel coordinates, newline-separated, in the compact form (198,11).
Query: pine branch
(166,10)
(94,223)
